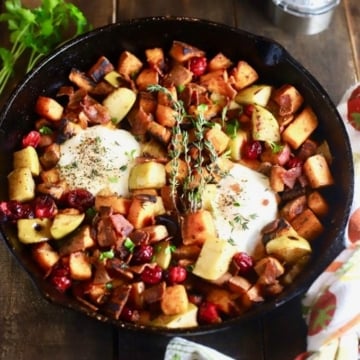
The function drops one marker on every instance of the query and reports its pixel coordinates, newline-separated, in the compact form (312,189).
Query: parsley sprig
(35,32)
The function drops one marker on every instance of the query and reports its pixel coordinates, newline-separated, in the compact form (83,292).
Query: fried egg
(99,158)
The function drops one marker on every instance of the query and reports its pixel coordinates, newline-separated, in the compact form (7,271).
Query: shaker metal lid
(308,7)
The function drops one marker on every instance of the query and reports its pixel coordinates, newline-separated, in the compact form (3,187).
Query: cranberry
(294,162)
(176,274)
(13,210)
(244,262)
(198,65)
(252,150)
(152,275)
(129,314)
(79,199)
(31,139)
(208,313)
(45,207)
(249,109)
(142,254)
(60,278)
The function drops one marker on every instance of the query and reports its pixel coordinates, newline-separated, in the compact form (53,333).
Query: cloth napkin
(332,304)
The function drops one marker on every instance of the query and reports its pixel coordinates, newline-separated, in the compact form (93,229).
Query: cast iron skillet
(274,65)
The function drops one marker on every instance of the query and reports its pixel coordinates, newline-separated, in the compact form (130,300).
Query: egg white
(99,158)
(244,203)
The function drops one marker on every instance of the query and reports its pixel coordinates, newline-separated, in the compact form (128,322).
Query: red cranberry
(208,313)
(142,254)
(45,207)
(244,262)
(79,199)
(249,109)
(152,275)
(13,210)
(252,150)
(176,274)
(60,278)
(129,314)
(198,65)
(31,139)
(294,162)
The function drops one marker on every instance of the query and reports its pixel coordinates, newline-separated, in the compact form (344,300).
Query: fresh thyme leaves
(242,221)
(37,31)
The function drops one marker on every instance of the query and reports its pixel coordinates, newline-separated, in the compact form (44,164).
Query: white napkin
(332,304)
(181,349)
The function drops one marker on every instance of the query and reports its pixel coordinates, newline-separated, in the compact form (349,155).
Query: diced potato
(318,172)
(269,269)
(218,139)
(237,143)
(153,148)
(276,178)
(288,99)
(239,284)
(181,51)
(141,213)
(119,204)
(300,128)
(179,166)
(55,190)
(65,223)
(222,298)
(288,248)
(80,266)
(217,82)
(51,176)
(165,115)
(45,256)
(264,125)
(155,58)
(21,184)
(79,241)
(119,103)
(147,175)
(219,61)
(81,80)
(214,258)
(254,94)
(294,207)
(49,108)
(318,204)
(50,156)
(178,75)
(102,67)
(187,319)
(146,78)
(307,225)
(159,132)
(31,231)
(243,75)
(174,300)
(197,227)
(113,78)
(27,157)
(129,65)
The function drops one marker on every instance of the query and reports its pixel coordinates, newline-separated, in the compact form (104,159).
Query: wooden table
(32,328)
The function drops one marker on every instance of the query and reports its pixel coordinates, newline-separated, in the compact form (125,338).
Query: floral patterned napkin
(332,305)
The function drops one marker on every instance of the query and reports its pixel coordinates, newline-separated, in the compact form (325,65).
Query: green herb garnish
(106,255)
(129,245)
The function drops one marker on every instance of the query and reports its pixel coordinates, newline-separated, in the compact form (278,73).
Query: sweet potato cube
(300,128)
(48,108)
(239,284)
(102,67)
(318,172)
(243,75)
(288,99)
(45,256)
(155,58)
(178,75)
(80,241)
(253,295)
(318,204)
(197,227)
(217,82)
(268,269)
(174,300)
(128,65)
(307,225)
(80,267)
(147,77)
(181,51)
(294,207)
(218,139)
(141,213)
(222,298)
(51,176)
(165,115)
(159,132)
(119,204)
(219,61)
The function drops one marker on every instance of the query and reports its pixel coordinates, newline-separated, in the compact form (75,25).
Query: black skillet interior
(274,65)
